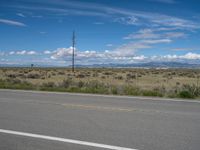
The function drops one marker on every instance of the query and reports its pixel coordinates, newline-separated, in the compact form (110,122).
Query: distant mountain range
(133,65)
(145,65)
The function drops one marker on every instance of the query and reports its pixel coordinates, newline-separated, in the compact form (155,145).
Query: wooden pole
(73,50)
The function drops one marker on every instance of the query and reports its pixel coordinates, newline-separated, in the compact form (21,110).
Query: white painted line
(65,140)
(105,96)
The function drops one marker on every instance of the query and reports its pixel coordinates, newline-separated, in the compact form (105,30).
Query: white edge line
(108,96)
(64,140)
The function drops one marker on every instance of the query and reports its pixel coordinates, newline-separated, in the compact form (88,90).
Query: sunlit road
(53,121)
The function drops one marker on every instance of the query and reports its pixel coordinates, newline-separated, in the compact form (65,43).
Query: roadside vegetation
(173,83)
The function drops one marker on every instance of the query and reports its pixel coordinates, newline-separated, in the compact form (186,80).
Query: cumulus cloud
(31,53)
(190,56)
(187,56)
(116,56)
(22,52)
(145,38)
(11,22)
(47,52)
(62,52)
(12,53)
(94,57)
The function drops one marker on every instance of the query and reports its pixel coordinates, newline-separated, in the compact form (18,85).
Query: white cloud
(123,54)
(12,53)
(47,52)
(63,56)
(187,56)
(11,22)
(31,52)
(190,56)
(142,57)
(130,20)
(94,57)
(124,16)
(22,52)
(157,41)
(21,15)
(143,34)
(175,35)
(146,38)
(130,48)
(62,52)
(150,33)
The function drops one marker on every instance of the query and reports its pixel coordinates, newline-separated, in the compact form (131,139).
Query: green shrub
(15,84)
(33,76)
(130,90)
(151,93)
(49,85)
(185,94)
(66,83)
(80,84)
(114,90)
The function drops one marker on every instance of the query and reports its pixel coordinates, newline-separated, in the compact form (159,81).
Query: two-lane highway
(59,121)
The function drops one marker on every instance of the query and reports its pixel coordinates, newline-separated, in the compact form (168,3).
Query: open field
(181,83)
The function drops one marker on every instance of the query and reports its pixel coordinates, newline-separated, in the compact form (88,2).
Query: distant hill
(133,65)
(146,65)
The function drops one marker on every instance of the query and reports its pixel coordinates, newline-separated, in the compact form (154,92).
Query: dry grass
(147,82)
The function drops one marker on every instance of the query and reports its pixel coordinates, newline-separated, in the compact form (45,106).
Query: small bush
(49,85)
(114,90)
(130,90)
(80,84)
(33,76)
(61,73)
(185,94)
(80,76)
(11,75)
(130,76)
(119,78)
(66,83)
(151,93)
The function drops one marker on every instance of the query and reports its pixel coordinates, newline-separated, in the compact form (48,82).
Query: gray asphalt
(143,124)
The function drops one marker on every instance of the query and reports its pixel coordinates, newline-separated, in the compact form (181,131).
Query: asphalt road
(135,123)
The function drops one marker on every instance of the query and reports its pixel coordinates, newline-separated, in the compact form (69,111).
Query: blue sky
(107,31)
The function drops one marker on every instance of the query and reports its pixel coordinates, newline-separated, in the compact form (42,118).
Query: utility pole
(73,49)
